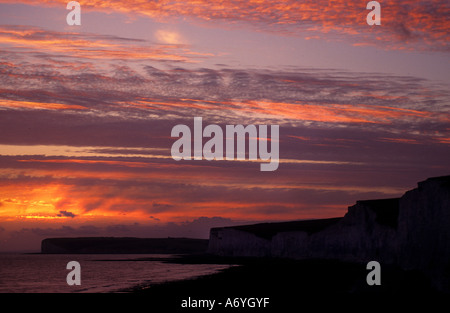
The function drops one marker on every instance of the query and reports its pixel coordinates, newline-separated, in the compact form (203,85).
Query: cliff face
(233,242)
(424,230)
(355,237)
(412,232)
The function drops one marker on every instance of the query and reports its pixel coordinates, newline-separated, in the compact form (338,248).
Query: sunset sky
(86,112)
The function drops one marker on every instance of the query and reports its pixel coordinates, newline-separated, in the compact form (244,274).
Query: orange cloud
(400,140)
(90,46)
(168,37)
(443,140)
(300,111)
(38,105)
(105,188)
(423,23)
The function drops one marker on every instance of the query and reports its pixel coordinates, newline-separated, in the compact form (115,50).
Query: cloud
(88,140)
(168,37)
(300,97)
(419,25)
(37,105)
(160,207)
(186,190)
(56,46)
(140,92)
(66,214)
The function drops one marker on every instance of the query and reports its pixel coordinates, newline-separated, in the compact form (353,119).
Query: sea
(99,273)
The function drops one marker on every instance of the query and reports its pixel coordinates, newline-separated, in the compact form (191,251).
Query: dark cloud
(160,207)
(92,205)
(65,214)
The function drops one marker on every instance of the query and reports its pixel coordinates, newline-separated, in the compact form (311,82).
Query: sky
(86,112)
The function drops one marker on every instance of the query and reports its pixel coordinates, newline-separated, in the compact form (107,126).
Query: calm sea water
(46,273)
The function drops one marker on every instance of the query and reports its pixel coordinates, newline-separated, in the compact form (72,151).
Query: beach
(235,285)
(287,284)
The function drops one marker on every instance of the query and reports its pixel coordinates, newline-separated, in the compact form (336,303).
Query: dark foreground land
(288,285)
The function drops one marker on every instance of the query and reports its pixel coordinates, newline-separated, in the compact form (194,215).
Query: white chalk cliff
(412,231)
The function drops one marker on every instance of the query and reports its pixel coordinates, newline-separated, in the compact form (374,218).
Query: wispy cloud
(142,92)
(87,137)
(420,24)
(92,46)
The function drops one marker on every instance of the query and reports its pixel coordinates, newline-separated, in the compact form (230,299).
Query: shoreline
(311,276)
(316,276)
(287,284)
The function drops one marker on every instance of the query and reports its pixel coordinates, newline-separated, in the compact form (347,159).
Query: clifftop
(268,230)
